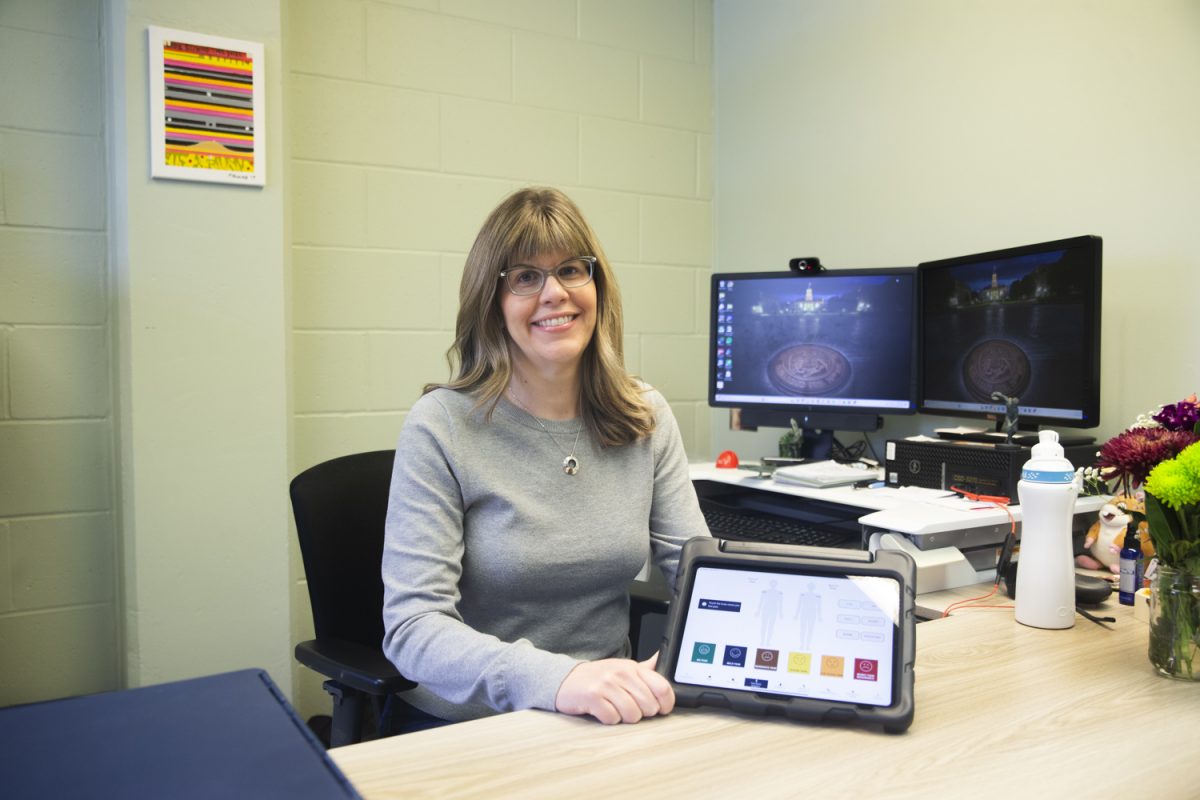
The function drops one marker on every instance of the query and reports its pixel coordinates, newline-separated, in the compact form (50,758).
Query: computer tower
(974,466)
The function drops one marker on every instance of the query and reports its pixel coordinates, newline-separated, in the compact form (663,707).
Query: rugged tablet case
(706,551)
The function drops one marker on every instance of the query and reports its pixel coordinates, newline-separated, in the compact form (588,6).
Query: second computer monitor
(833,343)
(1024,322)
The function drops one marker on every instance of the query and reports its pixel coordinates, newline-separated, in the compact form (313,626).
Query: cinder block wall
(408,122)
(58,619)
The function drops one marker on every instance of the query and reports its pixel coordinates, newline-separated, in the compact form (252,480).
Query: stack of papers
(922,493)
(943,498)
(821,474)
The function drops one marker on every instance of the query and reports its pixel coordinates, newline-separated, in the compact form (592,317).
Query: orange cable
(970,600)
(1001,503)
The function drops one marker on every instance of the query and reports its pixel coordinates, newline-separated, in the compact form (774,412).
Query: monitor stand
(752,418)
(818,428)
(818,445)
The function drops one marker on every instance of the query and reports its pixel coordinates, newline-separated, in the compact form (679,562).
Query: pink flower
(1131,455)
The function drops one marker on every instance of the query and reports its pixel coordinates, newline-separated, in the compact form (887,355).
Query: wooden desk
(1002,711)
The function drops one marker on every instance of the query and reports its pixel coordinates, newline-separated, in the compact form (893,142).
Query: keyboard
(750,526)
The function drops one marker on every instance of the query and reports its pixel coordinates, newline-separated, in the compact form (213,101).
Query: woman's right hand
(615,690)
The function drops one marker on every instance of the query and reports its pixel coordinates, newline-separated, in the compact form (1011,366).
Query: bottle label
(1131,576)
(1047,476)
(1128,576)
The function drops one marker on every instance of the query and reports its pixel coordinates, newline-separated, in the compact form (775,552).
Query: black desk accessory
(1011,414)
(1089,590)
(980,468)
(805,264)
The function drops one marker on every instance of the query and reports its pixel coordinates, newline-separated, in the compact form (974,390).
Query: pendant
(570,465)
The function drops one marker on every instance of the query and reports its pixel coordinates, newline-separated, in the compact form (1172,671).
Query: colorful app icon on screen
(702,652)
(735,655)
(766,659)
(866,669)
(833,666)
(800,662)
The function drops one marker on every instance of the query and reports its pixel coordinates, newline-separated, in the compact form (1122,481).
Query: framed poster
(206,108)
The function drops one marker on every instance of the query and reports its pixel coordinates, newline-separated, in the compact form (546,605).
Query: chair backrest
(340,507)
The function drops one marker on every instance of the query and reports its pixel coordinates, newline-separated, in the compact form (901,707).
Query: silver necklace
(570,463)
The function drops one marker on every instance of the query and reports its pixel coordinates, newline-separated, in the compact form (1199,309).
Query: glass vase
(1175,623)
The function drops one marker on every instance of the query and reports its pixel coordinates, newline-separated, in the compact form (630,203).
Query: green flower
(1174,484)
(1190,458)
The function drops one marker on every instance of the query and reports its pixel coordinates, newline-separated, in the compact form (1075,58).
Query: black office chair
(340,508)
(649,602)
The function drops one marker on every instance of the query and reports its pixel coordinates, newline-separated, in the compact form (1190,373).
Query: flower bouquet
(1161,453)
(1128,457)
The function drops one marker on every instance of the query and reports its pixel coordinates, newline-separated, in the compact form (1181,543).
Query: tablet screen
(826,637)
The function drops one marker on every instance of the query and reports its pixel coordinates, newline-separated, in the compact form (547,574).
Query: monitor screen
(835,341)
(1024,322)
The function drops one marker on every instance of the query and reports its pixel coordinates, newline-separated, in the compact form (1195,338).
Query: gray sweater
(501,572)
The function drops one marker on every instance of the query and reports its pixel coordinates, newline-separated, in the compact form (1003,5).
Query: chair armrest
(648,598)
(648,605)
(357,666)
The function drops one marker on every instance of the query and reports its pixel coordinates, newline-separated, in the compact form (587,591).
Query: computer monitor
(1023,322)
(832,350)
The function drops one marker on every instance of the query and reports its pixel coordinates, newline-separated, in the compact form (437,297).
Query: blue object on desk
(227,735)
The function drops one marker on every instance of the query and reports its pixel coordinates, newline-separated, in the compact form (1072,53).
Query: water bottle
(1045,595)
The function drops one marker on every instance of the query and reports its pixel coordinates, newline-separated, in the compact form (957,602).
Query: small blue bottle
(1131,566)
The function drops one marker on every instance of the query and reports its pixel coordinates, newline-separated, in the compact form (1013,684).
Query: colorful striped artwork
(206,108)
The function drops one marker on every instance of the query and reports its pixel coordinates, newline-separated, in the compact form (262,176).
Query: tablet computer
(808,633)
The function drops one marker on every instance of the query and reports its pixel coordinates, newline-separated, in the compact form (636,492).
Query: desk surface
(1001,710)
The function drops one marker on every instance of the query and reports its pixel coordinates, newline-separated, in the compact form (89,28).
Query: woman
(528,489)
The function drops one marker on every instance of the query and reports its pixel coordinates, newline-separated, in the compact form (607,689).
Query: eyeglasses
(523,279)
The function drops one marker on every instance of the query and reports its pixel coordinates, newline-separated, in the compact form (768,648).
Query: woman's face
(550,329)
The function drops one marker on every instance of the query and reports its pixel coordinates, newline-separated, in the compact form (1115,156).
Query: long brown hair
(528,223)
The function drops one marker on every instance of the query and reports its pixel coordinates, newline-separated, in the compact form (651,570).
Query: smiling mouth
(554,322)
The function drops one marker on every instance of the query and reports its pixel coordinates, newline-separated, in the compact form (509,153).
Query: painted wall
(874,133)
(143,521)
(409,122)
(199,308)
(58,551)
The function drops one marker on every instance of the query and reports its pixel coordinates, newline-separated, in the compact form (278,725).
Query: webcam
(806,264)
